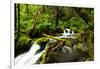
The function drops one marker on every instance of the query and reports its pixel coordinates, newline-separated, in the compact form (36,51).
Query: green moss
(79,37)
(22,44)
(69,42)
(24,39)
(41,40)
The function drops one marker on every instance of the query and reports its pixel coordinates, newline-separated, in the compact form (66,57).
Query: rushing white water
(69,54)
(67,34)
(30,57)
(67,49)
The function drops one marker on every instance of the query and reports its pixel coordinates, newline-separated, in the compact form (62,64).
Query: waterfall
(67,34)
(69,54)
(67,49)
(29,57)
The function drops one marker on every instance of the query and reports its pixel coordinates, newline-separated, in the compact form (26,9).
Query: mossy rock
(79,37)
(42,40)
(69,42)
(87,52)
(22,44)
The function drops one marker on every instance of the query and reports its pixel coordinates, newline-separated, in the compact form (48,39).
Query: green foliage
(24,39)
(77,24)
(22,44)
(41,19)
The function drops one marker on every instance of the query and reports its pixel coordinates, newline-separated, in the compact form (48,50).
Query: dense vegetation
(32,21)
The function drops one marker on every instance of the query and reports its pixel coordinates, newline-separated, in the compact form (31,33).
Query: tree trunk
(15,18)
(43,9)
(27,8)
(82,15)
(18,20)
(57,15)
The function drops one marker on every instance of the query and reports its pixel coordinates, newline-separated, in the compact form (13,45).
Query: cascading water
(67,34)
(31,57)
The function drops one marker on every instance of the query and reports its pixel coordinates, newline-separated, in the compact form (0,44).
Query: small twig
(60,44)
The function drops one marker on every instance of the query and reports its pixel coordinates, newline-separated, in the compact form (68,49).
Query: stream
(69,54)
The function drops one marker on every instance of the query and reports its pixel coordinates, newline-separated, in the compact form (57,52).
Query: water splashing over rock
(31,57)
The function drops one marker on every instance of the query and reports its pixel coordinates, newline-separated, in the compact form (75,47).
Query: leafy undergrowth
(41,22)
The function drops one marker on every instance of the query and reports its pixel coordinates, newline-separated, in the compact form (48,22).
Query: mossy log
(50,50)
